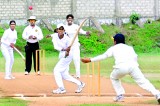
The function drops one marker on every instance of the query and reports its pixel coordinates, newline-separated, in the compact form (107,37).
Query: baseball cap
(59,25)
(119,38)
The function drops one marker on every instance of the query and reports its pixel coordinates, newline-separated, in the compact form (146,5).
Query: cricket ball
(30,7)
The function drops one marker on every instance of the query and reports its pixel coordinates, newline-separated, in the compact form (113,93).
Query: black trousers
(30,50)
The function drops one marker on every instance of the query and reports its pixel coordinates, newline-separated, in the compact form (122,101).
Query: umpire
(32,34)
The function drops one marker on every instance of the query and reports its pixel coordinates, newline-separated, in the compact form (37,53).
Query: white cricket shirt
(71,31)
(35,31)
(60,44)
(122,53)
(9,37)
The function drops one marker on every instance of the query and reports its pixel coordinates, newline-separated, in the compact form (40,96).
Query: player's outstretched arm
(86,60)
(48,36)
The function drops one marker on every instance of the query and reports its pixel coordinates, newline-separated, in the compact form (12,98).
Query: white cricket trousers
(76,59)
(136,74)
(9,58)
(61,71)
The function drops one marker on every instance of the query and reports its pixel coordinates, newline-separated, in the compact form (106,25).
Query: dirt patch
(38,90)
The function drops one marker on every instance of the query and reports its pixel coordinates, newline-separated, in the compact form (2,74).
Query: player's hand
(86,60)
(48,36)
(87,33)
(31,37)
(12,45)
(34,37)
(68,49)
(66,54)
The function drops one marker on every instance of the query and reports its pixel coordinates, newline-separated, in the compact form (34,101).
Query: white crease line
(20,95)
(43,95)
(139,95)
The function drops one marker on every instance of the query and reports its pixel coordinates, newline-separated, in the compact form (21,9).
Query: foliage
(134,17)
(91,44)
(144,40)
(149,21)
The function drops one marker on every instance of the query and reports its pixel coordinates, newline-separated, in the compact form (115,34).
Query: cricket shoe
(38,73)
(80,87)
(77,76)
(119,98)
(7,78)
(12,77)
(158,98)
(26,73)
(59,91)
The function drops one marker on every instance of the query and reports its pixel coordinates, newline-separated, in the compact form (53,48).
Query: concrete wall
(58,9)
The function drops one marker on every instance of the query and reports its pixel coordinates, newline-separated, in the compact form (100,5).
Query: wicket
(91,79)
(40,58)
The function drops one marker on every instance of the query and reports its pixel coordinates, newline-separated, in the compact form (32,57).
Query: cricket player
(61,70)
(71,29)
(125,64)
(8,41)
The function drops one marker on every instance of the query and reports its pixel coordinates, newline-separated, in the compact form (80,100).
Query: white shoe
(26,73)
(7,78)
(12,77)
(80,87)
(77,76)
(118,98)
(38,72)
(158,98)
(59,91)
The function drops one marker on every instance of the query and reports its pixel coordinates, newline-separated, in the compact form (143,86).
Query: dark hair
(119,38)
(61,28)
(69,15)
(55,30)
(12,21)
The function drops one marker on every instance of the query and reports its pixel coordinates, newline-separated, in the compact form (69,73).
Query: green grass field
(12,102)
(149,63)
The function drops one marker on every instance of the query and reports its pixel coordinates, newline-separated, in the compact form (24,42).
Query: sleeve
(40,34)
(107,54)
(135,56)
(68,41)
(52,35)
(4,38)
(15,37)
(25,35)
(56,44)
(81,31)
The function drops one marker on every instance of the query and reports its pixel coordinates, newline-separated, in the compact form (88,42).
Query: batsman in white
(8,41)
(61,70)
(71,29)
(125,64)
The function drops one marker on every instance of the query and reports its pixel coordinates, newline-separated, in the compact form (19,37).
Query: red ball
(30,7)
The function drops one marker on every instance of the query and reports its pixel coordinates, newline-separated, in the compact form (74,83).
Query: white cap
(32,18)
(61,24)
